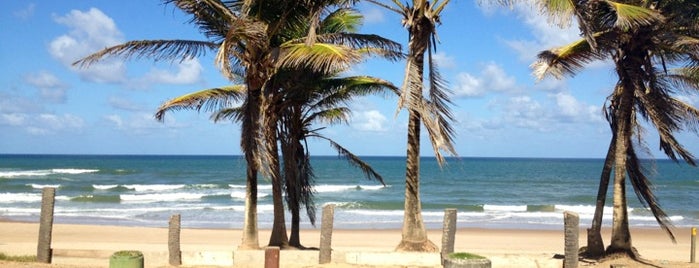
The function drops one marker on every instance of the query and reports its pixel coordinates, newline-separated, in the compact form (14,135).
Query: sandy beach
(91,246)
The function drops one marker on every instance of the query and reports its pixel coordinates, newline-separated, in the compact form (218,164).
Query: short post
(326,234)
(43,250)
(448,233)
(571,227)
(173,240)
(693,249)
(272,257)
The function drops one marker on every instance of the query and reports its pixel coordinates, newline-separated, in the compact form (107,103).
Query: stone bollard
(571,228)
(326,233)
(448,233)
(44,253)
(173,241)
(693,247)
(272,257)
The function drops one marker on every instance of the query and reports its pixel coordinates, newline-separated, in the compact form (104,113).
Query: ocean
(209,191)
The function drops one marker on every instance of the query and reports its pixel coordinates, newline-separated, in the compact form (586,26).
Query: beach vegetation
(421,19)
(17,258)
(465,256)
(655,53)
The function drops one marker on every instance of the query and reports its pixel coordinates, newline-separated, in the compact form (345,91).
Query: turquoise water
(209,191)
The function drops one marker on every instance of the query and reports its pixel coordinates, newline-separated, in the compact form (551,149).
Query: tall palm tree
(655,51)
(298,93)
(421,19)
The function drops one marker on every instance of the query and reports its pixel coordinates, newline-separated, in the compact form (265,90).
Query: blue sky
(48,106)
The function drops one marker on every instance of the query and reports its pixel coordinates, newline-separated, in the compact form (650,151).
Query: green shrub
(25,258)
(465,256)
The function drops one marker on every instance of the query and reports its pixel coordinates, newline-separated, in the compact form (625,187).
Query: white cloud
(556,111)
(50,87)
(371,120)
(373,15)
(547,35)
(125,104)
(574,111)
(43,123)
(187,72)
(11,103)
(444,61)
(140,123)
(25,12)
(492,79)
(89,32)
(57,122)
(12,119)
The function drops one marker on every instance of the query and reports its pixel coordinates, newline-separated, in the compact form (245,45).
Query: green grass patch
(465,256)
(25,258)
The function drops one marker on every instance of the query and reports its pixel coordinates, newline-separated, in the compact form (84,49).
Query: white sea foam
(42,186)
(205,186)
(504,208)
(150,198)
(154,187)
(241,195)
(105,186)
(19,197)
(259,187)
(24,173)
(73,170)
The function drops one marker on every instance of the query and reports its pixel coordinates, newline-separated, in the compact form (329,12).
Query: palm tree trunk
(414,237)
(249,145)
(621,237)
(595,244)
(279,237)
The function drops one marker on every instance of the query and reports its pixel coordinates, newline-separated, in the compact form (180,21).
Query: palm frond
(354,160)
(242,34)
(559,12)
(439,101)
(210,99)
(399,8)
(173,50)
(629,16)
(234,114)
(320,57)
(643,188)
(342,20)
(329,116)
(565,60)
(210,16)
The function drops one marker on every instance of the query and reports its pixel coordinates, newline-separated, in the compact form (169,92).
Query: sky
(48,106)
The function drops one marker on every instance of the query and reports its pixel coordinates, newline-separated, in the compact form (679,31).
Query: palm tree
(307,101)
(251,40)
(293,103)
(310,101)
(421,19)
(655,51)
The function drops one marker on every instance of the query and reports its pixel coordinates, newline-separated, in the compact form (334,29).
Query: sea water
(209,191)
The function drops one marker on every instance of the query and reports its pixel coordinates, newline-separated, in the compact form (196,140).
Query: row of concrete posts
(571,236)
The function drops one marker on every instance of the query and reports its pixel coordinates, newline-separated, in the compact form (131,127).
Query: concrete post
(44,253)
(326,233)
(448,233)
(571,228)
(693,250)
(272,257)
(173,241)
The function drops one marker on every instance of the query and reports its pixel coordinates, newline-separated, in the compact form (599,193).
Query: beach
(78,245)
